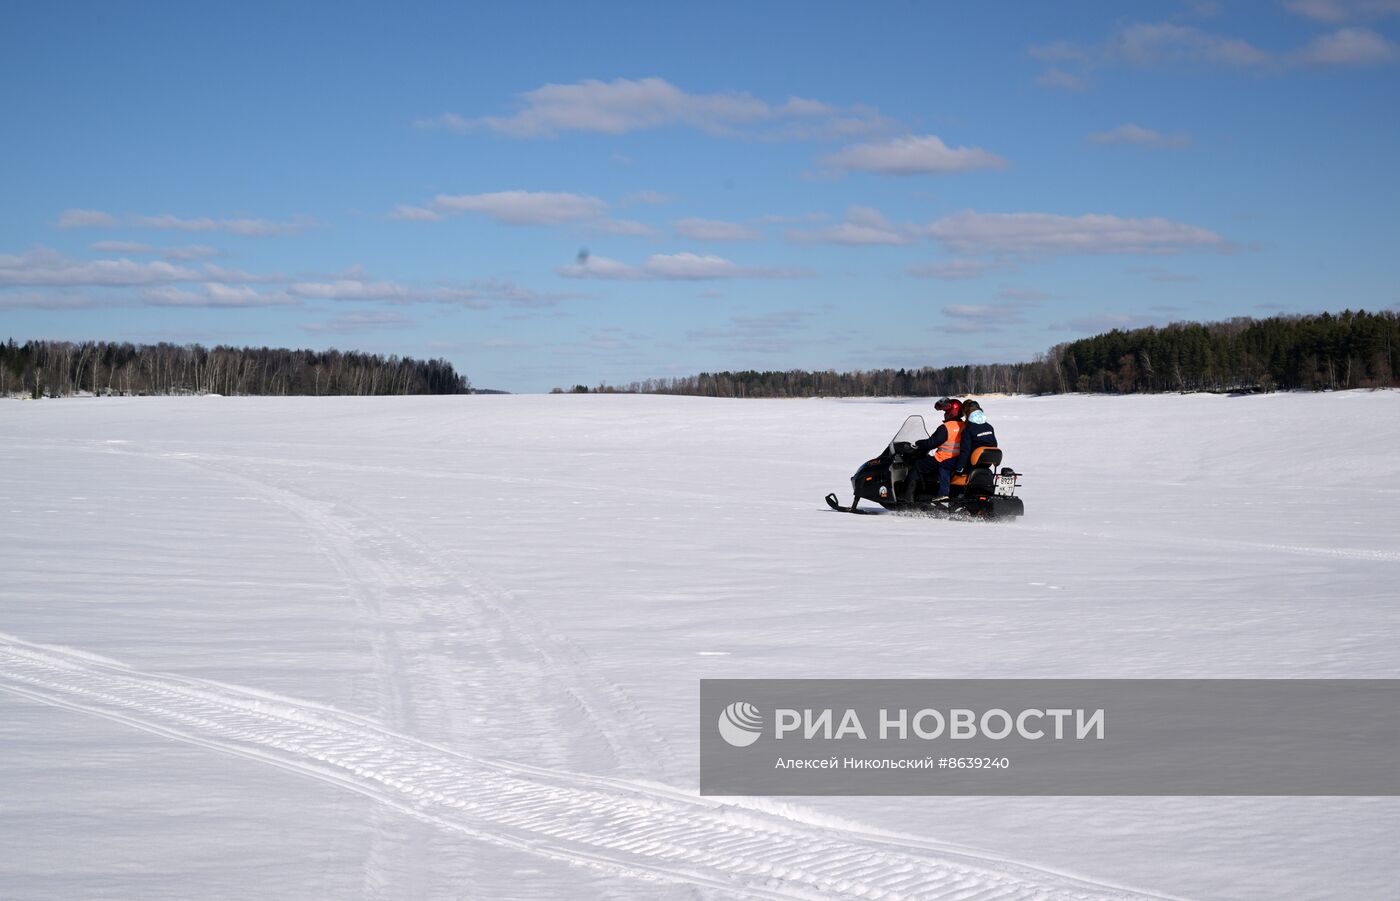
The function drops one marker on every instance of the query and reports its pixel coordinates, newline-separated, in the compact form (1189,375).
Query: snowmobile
(981,492)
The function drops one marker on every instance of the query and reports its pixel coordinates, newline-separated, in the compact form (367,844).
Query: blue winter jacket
(974,436)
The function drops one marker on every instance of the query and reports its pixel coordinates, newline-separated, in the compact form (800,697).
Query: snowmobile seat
(983,459)
(974,481)
(985,456)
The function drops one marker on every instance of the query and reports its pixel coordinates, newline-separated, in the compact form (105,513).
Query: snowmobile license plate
(1006,485)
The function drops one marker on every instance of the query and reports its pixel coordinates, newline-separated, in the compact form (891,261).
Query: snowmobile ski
(833,503)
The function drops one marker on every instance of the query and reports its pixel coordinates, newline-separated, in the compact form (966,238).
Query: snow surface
(449,647)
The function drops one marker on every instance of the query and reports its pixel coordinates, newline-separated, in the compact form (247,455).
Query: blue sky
(556,193)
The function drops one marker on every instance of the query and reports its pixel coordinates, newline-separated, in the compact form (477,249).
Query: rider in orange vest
(941,448)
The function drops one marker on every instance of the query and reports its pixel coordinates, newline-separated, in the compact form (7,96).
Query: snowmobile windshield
(912,430)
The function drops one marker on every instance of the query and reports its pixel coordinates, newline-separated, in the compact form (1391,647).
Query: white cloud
(171,296)
(530,208)
(165,221)
(188,252)
(165,284)
(220,286)
(692,266)
(990,317)
(184,253)
(610,339)
(414,213)
(624,105)
(759,325)
(214,294)
(759,333)
(647,197)
(48,268)
(1348,47)
(973,311)
(359,289)
(1058,78)
(778,219)
(1144,44)
(913,155)
(973,233)
(863,227)
(968,319)
(240,295)
(670,267)
(522,207)
(835,125)
(1158,43)
(1321,10)
(1157,274)
(954,270)
(245,227)
(85,219)
(1343,10)
(122,247)
(593,266)
(234,276)
(1058,52)
(1024,295)
(449,121)
(1164,44)
(519,295)
(629,228)
(1136,134)
(347,323)
(800,106)
(715,230)
(621,106)
(48,300)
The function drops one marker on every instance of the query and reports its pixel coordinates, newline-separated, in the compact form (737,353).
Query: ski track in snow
(525,657)
(479,643)
(615,826)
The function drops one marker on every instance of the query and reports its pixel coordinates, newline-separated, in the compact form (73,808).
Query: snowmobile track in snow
(616,826)
(391,571)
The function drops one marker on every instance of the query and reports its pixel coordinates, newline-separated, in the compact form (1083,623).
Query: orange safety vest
(949,448)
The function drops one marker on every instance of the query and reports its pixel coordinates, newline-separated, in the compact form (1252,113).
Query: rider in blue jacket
(976,432)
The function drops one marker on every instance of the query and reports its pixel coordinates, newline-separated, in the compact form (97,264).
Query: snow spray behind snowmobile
(981,492)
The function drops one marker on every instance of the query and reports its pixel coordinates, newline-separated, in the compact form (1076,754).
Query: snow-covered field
(449,647)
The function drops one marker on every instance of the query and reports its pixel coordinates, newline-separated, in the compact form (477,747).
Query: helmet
(952,410)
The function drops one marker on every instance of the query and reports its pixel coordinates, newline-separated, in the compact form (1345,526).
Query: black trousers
(928,471)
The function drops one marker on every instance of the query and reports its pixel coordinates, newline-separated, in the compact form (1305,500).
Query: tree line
(60,368)
(1313,352)
(1318,352)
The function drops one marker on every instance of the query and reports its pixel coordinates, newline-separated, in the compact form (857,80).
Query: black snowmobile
(981,492)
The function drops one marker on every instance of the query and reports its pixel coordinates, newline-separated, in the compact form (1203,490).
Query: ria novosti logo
(740,724)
